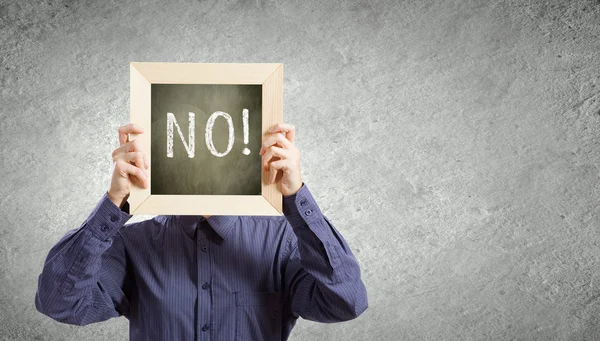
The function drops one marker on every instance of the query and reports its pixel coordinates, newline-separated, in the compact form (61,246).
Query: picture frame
(144,74)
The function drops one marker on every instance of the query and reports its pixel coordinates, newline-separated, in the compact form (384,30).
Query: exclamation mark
(246,151)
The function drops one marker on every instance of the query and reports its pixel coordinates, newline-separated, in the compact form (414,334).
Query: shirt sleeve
(85,277)
(321,275)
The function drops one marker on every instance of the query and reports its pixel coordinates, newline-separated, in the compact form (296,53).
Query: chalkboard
(204,124)
(206,139)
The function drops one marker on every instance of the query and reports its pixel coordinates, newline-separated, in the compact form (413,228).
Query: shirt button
(205,286)
(302,202)
(104,228)
(205,327)
(308,212)
(205,248)
(114,218)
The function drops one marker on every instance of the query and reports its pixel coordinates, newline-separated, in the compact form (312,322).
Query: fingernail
(147,164)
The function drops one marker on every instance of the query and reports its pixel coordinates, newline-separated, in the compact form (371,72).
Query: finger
(125,169)
(273,175)
(146,161)
(138,176)
(139,181)
(276,139)
(126,129)
(273,151)
(117,153)
(130,146)
(276,166)
(137,158)
(289,129)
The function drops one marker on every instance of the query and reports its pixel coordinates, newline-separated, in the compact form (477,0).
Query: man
(203,277)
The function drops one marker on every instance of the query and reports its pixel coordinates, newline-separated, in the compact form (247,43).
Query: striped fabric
(191,278)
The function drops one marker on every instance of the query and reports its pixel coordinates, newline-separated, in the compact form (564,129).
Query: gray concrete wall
(453,143)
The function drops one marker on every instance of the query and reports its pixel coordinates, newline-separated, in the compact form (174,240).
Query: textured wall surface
(453,143)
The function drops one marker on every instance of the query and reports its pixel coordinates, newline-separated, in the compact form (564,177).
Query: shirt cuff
(107,218)
(302,211)
(300,208)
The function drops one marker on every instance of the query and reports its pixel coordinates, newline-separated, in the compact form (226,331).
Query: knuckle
(120,165)
(120,169)
(116,151)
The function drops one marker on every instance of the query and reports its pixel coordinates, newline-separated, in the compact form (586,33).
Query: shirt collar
(222,224)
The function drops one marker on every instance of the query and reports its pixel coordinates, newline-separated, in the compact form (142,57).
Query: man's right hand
(130,165)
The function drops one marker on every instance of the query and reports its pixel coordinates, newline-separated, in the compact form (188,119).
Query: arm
(84,278)
(321,275)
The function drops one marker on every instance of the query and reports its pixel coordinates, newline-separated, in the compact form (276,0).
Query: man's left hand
(280,154)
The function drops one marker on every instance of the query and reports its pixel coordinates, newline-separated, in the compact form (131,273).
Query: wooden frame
(143,74)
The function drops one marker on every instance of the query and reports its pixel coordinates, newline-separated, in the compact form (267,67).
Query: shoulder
(271,227)
(148,227)
(270,222)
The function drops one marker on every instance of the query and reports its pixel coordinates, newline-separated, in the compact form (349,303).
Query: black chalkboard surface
(205,139)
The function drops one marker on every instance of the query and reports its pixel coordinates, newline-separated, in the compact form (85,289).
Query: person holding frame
(218,277)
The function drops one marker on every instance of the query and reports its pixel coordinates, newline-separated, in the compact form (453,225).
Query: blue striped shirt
(191,278)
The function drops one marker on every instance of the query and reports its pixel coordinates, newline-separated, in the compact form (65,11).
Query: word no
(190,146)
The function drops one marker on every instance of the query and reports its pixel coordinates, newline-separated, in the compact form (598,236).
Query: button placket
(203,280)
